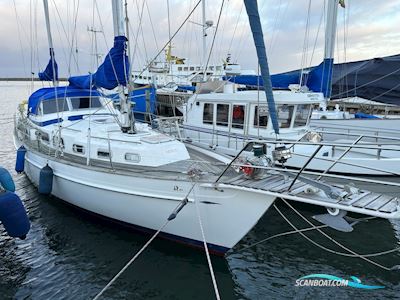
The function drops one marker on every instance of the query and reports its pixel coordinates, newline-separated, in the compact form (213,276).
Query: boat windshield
(54,105)
(85,102)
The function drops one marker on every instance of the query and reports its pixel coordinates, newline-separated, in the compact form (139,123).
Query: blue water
(71,255)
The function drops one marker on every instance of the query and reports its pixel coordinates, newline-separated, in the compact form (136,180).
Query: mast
(330,38)
(330,30)
(203,11)
(127,122)
(50,40)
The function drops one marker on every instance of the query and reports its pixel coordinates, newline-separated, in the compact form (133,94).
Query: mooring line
(351,252)
(214,281)
(172,216)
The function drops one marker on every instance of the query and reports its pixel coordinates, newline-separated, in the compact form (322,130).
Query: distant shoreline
(26,79)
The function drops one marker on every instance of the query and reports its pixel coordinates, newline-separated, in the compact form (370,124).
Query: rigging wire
(172,37)
(304,62)
(236,25)
(19,35)
(213,40)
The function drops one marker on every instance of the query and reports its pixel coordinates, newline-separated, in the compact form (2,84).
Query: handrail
(357,134)
(304,166)
(354,127)
(363,146)
(353,165)
(229,165)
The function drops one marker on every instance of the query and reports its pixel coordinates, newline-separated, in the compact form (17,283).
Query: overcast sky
(366,29)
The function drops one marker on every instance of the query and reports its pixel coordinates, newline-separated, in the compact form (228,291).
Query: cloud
(371,30)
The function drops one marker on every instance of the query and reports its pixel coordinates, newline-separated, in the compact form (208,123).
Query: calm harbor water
(71,255)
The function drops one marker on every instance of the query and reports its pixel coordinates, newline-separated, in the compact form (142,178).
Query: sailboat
(82,150)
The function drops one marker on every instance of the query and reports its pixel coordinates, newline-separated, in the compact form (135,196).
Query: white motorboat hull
(227,215)
(357,161)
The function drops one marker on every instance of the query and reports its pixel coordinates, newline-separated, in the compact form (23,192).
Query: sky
(293,32)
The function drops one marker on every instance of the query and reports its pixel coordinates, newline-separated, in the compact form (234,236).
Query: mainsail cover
(377,79)
(112,72)
(256,29)
(51,71)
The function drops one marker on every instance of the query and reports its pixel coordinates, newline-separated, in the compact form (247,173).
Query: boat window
(78,149)
(238,116)
(85,102)
(185,68)
(103,154)
(133,157)
(218,68)
(302,114)
(191,68)
(208,113)
(285,115)
(222,114)
(52,106)
(261,116)
(179,68)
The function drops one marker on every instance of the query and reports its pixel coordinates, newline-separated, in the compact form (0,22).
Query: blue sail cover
(112,72)
(51,71)
(59,92)
(256,29)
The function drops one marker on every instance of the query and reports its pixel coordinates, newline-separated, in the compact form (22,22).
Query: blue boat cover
(112,72)
(47,74)
(376,79)
(53,93)
(361,115)
(256,29)
(317,79)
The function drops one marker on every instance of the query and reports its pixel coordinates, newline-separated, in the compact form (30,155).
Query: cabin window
(179,68)
(185,68)
(261,116)
(52,106)
(238,116)
(191,68)
(78,149)
(208,113)
(132,157)
(197,68)
(85,102)
(103,154)
(285,115)
(222,114)
(302,114)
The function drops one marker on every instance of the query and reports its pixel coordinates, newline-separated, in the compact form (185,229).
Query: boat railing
(370,132)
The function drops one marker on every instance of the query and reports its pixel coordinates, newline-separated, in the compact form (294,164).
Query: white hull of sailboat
(146,203)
